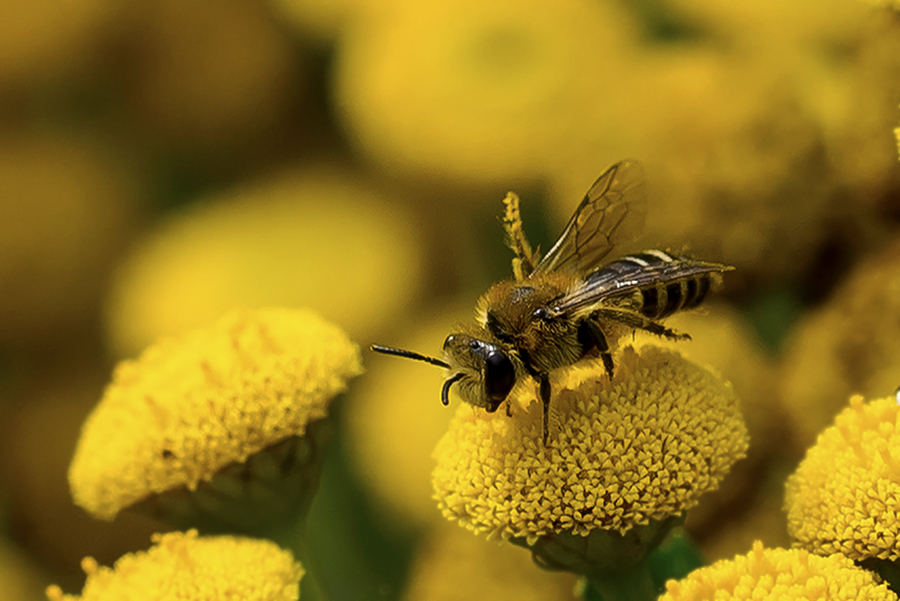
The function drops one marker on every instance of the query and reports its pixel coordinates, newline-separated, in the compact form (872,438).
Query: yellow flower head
(189,407)
(621,453)
(191,568)
(779,574)
(845,495)
(847,346)
(469,74)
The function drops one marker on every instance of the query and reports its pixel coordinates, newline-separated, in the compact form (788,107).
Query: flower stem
(294,537)
(633,584)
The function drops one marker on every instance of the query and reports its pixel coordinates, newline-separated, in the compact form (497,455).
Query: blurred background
(164,161)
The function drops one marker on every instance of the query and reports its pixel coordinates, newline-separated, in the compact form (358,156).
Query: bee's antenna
(399,352)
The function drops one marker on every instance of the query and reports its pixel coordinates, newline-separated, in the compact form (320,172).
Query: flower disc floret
(191,406)
(779,574)
(845,495)
(621,453)
(192,568)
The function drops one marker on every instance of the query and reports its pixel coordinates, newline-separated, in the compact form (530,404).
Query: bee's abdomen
(675,289)
(662,300)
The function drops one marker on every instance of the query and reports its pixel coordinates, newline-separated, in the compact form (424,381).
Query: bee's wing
(611,213)
(624,276)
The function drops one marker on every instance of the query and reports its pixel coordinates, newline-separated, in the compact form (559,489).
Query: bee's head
(485,372)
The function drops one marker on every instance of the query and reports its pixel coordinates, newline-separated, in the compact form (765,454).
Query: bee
(568,305)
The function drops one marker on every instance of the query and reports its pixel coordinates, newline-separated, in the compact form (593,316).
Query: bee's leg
(592,337)
(639,322)
(545,399)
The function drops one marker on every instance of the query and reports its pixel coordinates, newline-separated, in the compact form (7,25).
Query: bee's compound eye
(499,377)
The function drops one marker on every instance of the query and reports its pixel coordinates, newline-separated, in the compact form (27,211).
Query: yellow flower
(847,346)
(779,574)
(489,90)
(897,135)
(65,214)
(621,454)
(845,495)
(190,568)
(325,240)
(723,339)
(188,408)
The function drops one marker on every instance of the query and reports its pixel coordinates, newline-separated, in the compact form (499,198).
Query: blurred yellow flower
(20,579)
(640,448)
(188,567)
(488,90)
(897,135)
(864,151)
(392,428)
(43,40)
(844,347)
(324,240)
(66,210)
(192,406)
(845,495)
(779,574)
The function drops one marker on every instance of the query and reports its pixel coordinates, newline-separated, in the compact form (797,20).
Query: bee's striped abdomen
(674,288)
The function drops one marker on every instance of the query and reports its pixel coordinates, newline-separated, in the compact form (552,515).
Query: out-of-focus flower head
(845,495)
(194,568)
(44,40)
(488,90)
(742,177)
(864,149)
(223,423)
(392,429)
(20,580)
(623,456)
(322,240)
(845,347)
(779,574)
(455,565)
(66,208)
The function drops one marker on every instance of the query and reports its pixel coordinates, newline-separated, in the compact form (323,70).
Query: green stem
(293,537)
(311,587)
(634,584)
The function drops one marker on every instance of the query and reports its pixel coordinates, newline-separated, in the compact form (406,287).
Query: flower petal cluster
(845,495)
(189,407)
(621,453)
(193,568)
(779,574)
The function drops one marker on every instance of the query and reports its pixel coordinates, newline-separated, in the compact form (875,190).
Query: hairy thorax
(520,316)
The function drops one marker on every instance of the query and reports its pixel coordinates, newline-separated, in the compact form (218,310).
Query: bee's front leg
(590,333)
(545,399)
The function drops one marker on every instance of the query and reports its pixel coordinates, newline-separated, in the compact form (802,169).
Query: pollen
(845,495)
(779,574)
(621,453)
(190,406)
(194,568)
